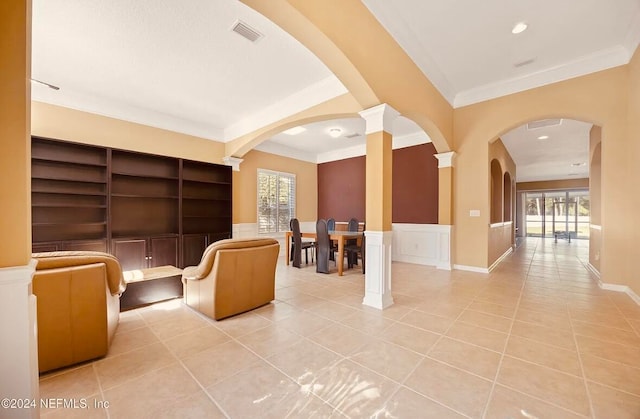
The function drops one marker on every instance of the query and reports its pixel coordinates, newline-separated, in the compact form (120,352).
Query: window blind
(276,200)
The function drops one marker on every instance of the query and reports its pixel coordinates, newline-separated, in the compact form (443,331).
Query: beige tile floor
(536,338)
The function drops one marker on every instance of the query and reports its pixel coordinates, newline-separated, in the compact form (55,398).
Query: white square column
(378,231)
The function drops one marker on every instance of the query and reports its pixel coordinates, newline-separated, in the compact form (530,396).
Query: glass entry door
(563,213)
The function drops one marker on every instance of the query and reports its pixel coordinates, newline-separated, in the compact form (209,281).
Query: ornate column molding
(234,162)
(445,159)
(379,118)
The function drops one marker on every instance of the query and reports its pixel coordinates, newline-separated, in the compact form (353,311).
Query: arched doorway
(553,177)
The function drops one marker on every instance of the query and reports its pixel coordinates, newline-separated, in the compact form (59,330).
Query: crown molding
(632,40)
(96,105)
(322,91)
(601,60)
(284,151)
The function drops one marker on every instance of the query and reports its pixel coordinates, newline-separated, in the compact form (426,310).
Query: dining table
(339,236)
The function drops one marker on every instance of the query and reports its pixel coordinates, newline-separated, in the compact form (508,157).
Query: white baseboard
(593,270)
(613,287)
(504,255)
(471,269)
(620,288)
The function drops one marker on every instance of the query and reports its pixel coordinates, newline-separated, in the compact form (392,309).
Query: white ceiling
(563,155)
(177,65)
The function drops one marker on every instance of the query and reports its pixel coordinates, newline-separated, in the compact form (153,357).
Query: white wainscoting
(247,230)
(423,244)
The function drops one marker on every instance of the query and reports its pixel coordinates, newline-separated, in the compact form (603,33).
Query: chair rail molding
(423,244)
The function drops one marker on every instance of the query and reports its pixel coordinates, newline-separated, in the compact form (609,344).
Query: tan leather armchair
(233,276)
(78,306)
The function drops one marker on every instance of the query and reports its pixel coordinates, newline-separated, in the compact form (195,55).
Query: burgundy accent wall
(415,185)
(341,187)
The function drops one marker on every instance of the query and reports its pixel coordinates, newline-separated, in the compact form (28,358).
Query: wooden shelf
(144,196)
(67,152)
(67,206)
(70,224)
(67,179)
(206,216)
(212,182)
(61,192)
(137,175)
(66,162)
(191,198)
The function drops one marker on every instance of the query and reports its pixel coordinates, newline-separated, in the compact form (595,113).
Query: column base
(19,345)
(377,292)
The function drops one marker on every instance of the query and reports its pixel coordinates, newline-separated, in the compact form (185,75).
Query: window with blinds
(276,200)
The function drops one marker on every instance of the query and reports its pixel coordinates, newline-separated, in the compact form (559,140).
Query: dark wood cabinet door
(193,246)
(163,251)
(132,253)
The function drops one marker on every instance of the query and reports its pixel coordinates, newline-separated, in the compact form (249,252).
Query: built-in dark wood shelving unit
(147,210)
(206,208)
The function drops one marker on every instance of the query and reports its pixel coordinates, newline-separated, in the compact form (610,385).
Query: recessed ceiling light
(543,137)
(335,132)
(294,130)
(519,28)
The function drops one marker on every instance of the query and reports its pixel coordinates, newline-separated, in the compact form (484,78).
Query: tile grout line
(504,349)
(584,377)
(403,383)
(182,365)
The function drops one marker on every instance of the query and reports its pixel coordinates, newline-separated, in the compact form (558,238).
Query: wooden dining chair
(355,250)
(333,247)
(353,225)
(299,245)
(323,247)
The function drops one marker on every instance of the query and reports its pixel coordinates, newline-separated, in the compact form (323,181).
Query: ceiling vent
(354,135)
(246,31)
(544,123)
